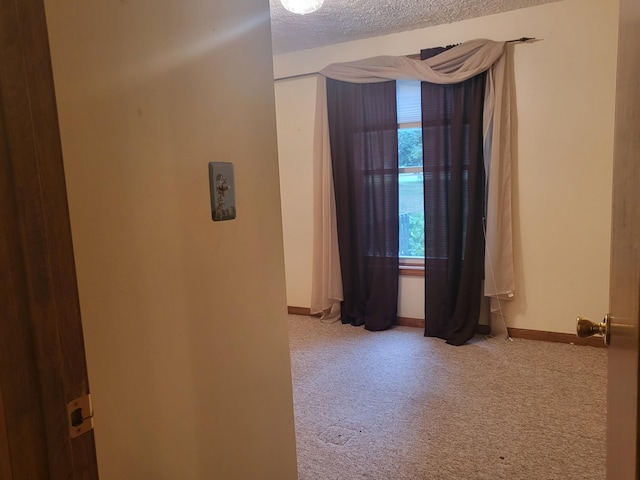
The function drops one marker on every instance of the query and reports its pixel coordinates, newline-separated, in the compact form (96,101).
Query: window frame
(411,266)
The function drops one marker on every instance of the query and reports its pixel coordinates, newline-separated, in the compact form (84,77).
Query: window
(410,178)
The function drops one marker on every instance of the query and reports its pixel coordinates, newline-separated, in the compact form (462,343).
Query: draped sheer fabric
(452,66)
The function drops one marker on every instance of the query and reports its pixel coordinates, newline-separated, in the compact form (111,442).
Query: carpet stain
(337,435)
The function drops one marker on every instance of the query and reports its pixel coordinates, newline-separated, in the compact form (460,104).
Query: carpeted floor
(395,405)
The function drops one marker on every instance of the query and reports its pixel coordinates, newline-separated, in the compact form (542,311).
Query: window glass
(410,147)
(410,178)
(411,215)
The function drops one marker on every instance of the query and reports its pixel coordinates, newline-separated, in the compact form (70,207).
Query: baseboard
(410,322)
(299,311)
(485,330)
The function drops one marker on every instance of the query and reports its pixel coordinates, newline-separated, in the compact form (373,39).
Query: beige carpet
(396,405)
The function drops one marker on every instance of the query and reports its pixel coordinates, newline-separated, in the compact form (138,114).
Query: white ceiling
(344,20)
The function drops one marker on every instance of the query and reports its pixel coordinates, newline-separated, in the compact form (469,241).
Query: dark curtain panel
(364,153)
(454,197)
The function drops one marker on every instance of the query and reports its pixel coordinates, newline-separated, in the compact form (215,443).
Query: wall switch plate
(223,191)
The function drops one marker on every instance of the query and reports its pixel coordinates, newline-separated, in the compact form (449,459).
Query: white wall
(184,318)
(565,89)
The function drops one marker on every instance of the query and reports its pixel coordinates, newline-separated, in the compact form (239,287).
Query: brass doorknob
(586,328)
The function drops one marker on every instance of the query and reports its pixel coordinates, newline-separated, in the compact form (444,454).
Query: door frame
(623,370)
(42,358)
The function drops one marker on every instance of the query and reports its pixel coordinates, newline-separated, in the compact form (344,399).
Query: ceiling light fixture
(302,7)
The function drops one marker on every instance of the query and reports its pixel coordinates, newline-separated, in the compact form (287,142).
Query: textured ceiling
(344,20)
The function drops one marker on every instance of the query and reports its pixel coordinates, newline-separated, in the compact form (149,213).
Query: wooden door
(42,360)
(624,303)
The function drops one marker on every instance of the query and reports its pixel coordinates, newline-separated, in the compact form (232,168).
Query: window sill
(412,270)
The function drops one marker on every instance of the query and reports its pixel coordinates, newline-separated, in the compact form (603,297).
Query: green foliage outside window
(410,147)
(416,235)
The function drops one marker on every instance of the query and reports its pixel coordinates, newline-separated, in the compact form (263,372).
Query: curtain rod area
(311,74)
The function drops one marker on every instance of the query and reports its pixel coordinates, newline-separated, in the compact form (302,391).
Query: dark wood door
(42,360)
(624,297)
